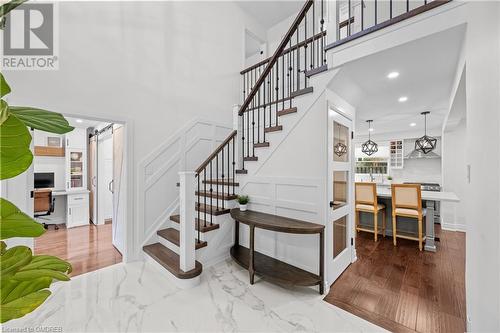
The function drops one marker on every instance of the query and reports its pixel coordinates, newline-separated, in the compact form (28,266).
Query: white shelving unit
(396,154)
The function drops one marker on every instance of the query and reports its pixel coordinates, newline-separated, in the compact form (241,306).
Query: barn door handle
(110,186)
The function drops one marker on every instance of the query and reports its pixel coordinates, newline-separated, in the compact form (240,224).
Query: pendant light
(425,144)
(339,149)
(369,147)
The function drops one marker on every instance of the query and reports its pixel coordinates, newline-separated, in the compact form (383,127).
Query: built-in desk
(77,206)
(268,267)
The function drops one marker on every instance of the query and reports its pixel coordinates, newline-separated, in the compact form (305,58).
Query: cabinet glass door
(76,169)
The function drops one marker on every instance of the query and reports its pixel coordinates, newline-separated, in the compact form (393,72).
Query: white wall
(153,65)
(483,155)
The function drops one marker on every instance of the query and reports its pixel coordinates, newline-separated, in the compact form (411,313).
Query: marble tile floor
(136,297)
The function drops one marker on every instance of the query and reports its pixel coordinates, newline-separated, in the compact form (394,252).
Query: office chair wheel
(56,227)
(45,226)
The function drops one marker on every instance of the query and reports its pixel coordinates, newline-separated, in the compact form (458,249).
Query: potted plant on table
(389,180)
(243,201)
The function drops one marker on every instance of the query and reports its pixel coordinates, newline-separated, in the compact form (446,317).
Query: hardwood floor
(87,248)
(403,289)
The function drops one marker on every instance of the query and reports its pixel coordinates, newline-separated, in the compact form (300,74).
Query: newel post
(237,126)
(187,220)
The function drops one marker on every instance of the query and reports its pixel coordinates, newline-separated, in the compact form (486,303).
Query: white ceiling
(427,69)
(269,13)
(83,123)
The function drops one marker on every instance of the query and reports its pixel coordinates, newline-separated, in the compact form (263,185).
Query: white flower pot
(243,208)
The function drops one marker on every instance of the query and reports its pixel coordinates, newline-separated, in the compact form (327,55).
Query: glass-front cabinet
(76,169)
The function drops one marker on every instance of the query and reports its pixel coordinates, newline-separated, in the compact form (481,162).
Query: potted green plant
(389,180)
(243,201)
(24,277)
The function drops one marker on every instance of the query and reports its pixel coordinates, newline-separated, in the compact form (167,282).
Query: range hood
(415,154)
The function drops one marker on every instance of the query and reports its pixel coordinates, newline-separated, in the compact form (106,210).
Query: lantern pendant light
(339,149)
(369,147)
(425,144)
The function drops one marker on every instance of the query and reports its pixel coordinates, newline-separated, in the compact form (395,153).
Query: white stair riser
(168,244)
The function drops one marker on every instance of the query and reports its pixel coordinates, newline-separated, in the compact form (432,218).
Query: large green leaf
(41,119)
(7,7)
(4,111)
(48,262)
(12,289)
(15,153)
(4,86)
(13,259)
(14,223)
(23,305)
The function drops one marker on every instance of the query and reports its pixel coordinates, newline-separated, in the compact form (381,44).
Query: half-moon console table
(270,268)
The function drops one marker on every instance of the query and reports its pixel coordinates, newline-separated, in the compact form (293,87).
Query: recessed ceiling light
(403,99)
(413,124)
(79,121)
(371,129)
(392,75)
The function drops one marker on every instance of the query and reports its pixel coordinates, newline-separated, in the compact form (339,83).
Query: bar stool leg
(420,233)
(375,224)
(394,229)
(383,223)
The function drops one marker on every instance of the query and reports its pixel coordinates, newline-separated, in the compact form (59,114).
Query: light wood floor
(87,248)
(403,289)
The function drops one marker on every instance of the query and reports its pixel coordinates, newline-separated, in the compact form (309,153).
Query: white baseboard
(453,227)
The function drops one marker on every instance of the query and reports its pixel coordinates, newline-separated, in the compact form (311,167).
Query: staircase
(208,194)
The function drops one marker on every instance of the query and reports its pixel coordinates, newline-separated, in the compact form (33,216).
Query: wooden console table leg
(250,261)
(322,262)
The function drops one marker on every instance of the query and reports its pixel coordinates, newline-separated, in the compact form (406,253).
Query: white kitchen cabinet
(77,211)
(77,139)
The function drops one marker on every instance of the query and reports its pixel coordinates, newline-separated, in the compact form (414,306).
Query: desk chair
(44,204)
(407,202)
(366,201)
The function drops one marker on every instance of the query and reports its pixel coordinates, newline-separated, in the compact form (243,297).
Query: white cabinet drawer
(77,199)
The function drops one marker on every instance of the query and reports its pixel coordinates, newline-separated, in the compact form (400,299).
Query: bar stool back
(366,201)
(407,202)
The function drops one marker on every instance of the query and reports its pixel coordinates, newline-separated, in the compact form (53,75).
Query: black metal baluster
(234,165)
(390,8)
(305,50)
(205,197)
(198,204)
(264,112)
(270,98)
(258,112)
(376,12)
(253,133)
(283,82)
(407,6)
(363,11)
(217,181)
(349,18)
(222,176)
(313,32)
(289,76)
(276,88)
(228,169)
(298,61)
(242,142)
(248,133)
(323,55)
(211,192)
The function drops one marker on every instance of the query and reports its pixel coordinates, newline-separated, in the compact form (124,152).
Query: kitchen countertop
(384,191)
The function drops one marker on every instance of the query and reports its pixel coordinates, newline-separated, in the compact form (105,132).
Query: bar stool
(366,201)
(407,202)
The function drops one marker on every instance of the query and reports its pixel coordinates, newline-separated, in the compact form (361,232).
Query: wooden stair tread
(242,171)
(221,182)
(316,70)
(215,195)
(250,158)
(172,235)
(171,261)
(203,228)
(287,111)
(261,144)
(273,129)
(207,209)
(303,91)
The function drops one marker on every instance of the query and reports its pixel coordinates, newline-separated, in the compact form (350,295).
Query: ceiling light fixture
(402,99)
(339,149)
(79,121)
(413,124)
(369,147)
(392,75)
(425,144)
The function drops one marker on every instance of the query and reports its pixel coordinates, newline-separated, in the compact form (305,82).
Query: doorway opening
(408,235)
(79,194)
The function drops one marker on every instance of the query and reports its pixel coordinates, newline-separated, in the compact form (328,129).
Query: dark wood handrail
(216,151)
(286,51)
(276,55)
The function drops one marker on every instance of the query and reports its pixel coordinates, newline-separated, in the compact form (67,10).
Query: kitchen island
(409,225)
